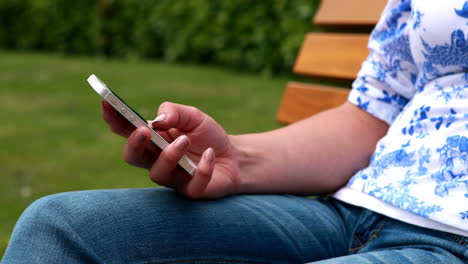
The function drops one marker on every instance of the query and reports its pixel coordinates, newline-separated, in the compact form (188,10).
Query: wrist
(249,158)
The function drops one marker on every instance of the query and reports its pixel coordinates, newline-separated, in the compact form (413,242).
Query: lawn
(52,136)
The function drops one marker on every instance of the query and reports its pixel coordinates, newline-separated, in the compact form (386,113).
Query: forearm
(316,155)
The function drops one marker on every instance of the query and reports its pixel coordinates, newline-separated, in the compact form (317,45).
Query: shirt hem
(350,196)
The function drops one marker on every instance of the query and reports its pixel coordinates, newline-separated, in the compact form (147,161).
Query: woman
(395,157)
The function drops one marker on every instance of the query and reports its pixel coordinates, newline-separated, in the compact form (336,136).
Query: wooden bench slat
(349,12)
(332,55)
(335,55)
(303,100)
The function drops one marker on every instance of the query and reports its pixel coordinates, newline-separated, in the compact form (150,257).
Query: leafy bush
(59,25)
(260,36)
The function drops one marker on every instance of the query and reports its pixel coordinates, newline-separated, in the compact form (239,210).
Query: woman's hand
(191,132)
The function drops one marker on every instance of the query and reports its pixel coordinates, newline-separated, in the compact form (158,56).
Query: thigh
(157,226)
(398,256)
(393,241)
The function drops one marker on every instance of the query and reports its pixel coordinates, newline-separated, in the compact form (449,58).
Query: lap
(157,226)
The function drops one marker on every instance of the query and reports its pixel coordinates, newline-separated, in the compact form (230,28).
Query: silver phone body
(135,118)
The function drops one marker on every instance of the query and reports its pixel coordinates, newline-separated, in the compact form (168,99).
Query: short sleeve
(385,83)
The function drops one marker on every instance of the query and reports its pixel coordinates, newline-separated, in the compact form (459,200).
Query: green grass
(52,136)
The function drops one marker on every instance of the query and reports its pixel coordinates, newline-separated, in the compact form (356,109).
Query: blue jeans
(157,226)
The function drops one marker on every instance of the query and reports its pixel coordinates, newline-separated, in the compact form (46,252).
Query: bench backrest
(332,56)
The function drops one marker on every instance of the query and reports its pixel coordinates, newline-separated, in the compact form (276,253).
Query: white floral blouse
(416,80)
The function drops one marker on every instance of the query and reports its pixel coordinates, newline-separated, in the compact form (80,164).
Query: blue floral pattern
(416,80)
(448,54)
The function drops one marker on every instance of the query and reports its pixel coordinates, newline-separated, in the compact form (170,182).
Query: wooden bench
(332,56)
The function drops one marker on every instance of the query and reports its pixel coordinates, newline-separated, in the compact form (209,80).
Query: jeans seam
(207,260)
(459,239)
(372,237)
(359,241)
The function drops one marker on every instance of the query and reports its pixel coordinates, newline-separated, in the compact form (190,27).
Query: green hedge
(260,36)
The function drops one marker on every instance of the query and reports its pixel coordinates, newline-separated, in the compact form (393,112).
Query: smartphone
(133,117)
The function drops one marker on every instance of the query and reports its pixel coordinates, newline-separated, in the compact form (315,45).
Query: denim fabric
(158,226)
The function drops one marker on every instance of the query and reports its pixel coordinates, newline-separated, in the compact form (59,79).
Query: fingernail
(209,155)
(181,143)
(160,118)
(140,137)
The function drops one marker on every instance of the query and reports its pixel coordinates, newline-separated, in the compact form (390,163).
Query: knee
(41,223)
(45,212)
(52,224)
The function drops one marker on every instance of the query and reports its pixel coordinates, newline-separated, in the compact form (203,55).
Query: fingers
(182,117)
(117,123)
(169,135)
(162,170)
(135,151)
(173,120)
(197,185)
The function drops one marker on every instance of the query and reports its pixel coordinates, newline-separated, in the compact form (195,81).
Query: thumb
(182,117)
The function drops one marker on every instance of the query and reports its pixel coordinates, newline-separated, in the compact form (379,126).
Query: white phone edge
(102,89)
